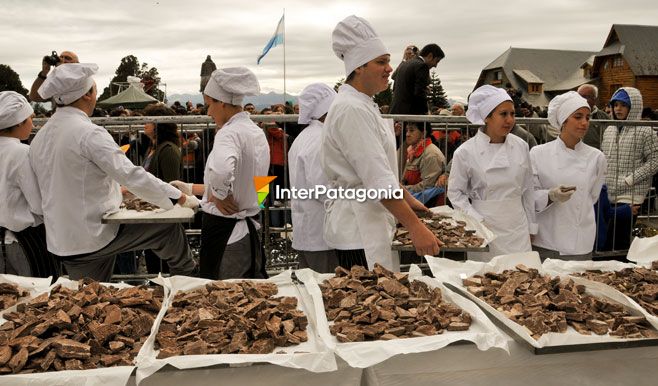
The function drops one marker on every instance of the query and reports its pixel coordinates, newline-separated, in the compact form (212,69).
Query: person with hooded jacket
(632,155)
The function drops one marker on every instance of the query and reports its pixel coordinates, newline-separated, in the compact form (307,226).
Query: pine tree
(436,96)
(10,81)
(338,84)
(130,66)
(385,97)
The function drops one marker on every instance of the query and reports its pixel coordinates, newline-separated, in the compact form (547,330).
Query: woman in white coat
(568,176)
(22,234)
(491,178)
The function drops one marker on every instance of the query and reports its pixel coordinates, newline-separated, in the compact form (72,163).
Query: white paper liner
(34,285)
(643,250)
(453,272)
(482,332)
(118,375)
(311,355)
(177,212)
(471,223)
(561,267)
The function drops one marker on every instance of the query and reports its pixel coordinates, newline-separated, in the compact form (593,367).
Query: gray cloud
(175,36)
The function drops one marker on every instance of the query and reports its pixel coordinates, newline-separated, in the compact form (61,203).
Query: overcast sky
(176,36)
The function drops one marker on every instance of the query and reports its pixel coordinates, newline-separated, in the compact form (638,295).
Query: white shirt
(358,151)
(568,227)
(306,173)
(20,200)
(79,168)
(468,178)
(240,153)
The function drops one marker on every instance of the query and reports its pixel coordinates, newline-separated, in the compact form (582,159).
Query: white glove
(561,193)
(184,187)
(190,202)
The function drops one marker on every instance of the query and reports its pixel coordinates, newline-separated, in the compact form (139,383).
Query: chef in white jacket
(79,169)
(358,152)
(230,246)
(306,173)
(568,176)
(22,234)
(491,177)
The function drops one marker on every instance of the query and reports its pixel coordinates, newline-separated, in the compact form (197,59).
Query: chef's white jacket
(79,169)
(358,151)
(567,227)
(306,173)
(470,176)
(20,199)
(240,153)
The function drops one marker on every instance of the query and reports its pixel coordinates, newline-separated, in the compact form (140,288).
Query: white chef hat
(564,105)
(14,109)
(231,85)
(68,82)
(356,43)
(314,102)
(483,101)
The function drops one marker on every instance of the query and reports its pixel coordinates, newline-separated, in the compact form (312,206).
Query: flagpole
(284,58)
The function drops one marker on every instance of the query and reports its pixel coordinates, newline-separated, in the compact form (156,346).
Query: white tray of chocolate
(544,311)
(458,231)
(134,210)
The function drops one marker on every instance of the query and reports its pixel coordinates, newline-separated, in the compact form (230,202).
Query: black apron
(33,242)
(215,233)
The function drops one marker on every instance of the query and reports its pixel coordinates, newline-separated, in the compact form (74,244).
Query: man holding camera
(47,62)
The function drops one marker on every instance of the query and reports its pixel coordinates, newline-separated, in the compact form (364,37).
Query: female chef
(491,177)
(568,176)
(20,206)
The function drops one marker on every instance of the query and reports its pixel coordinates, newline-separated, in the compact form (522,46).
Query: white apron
(508,221)
(505,217)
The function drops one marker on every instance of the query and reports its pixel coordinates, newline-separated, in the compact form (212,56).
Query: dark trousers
(33,242)
(215,233)
(350,257)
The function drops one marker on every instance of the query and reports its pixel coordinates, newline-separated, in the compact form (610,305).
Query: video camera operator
(49,61)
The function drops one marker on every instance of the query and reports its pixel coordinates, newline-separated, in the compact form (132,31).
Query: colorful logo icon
(262,185)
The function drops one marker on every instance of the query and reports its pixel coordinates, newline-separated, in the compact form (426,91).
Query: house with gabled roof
(539,74)
(629,58)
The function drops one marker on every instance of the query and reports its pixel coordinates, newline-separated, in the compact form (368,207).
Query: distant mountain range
(261,101)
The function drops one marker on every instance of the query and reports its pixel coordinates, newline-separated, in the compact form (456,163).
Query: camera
(52,59)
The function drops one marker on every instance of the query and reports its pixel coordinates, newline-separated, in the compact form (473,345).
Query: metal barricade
(452,131)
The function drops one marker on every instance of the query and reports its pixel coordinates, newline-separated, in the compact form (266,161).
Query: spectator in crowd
(22,233)
(189,106)
(277,140)
(594,135)
(632,155)
(457,110)
(425,163)
(608,216)
(250,108)
(524,135)
(64,57)
(163,160)
(163,157)
(410,52)
(230,246)
(568,177)
(79,168)
(412,80)
(306,173)
(358,151)
(491,177)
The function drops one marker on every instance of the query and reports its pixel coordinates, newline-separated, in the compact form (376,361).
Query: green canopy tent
(131,98)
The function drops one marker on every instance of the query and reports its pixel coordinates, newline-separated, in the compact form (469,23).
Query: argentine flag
(276,39)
